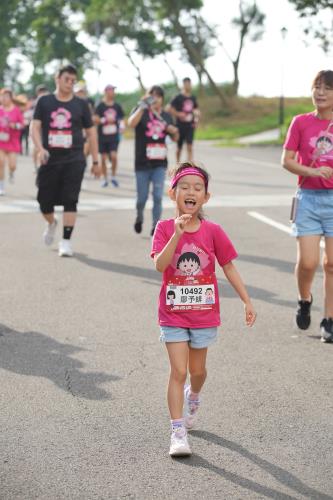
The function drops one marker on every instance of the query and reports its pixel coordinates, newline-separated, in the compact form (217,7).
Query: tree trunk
(172,71)
(235,83)
(138,72)
(181,32)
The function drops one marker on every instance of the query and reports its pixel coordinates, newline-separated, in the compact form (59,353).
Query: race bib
(156,151)
(4,136)
(194,293)
(109,129)
(60,139)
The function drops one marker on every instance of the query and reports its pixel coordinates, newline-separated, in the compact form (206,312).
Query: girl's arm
(290,163)
(236,281)
(164,258)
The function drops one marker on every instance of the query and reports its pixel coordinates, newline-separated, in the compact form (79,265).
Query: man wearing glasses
(57,132)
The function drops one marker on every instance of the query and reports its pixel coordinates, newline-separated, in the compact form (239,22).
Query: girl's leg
(328,277)
(197,368)
(178,355)
(12,162)
(308,253)
(2,165)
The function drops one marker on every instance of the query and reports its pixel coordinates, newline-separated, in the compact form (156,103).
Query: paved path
(83,376)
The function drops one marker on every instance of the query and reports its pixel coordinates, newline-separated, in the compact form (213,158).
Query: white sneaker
(65,249)
(191,408)
(49,233)
(179,446)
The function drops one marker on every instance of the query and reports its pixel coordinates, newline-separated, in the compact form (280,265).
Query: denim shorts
(198,338)
(314,213)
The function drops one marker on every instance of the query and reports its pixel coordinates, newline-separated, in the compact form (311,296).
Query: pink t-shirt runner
(189,295)
(10,137)
(309,138)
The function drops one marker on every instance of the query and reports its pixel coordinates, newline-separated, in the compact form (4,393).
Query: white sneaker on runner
(49,233)
(191,408)
(179,446)
(65,249)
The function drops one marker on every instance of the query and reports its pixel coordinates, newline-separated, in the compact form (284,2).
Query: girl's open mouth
(190,203)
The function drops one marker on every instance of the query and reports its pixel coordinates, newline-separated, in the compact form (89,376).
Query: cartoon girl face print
(155,129)
(190,261)
(323,146)
(188,106)
(61,118)
(189,264)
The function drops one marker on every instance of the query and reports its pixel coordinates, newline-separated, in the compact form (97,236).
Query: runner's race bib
(194,293)
(109,129)
(60,139)
(4,136)
(156,151)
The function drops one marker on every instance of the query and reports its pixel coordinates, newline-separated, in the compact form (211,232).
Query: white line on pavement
(93,204)
(273,223)
(258,163)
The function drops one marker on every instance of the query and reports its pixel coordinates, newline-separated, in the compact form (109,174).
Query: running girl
(189,325)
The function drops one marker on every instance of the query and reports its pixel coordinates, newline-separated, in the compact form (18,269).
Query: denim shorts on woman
(198,338)
(314,213)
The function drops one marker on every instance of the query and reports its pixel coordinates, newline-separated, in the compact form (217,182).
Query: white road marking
(113,203)
(273,223)
(258,163)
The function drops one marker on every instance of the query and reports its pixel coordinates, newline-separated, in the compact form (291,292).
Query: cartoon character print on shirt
(61,118)
(155,129)
(323,146)
(188,106)
(110,115)
(4,121)
(191,261)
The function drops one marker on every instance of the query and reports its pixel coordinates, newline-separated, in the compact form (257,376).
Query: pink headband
(187,171)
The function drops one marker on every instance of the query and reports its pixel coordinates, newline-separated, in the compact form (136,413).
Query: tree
(322,31)
(173,17)
(128,24)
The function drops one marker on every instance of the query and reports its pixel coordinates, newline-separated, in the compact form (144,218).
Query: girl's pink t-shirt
(309,138)
(10,137)
(189,295)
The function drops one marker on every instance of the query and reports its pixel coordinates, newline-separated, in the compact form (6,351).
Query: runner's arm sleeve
(160,239)
(293,137)
(224,250)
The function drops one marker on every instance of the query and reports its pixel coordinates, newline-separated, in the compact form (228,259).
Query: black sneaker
(303,317)
(138,227)
(326,328)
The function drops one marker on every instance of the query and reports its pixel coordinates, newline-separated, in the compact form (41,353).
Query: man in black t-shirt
(57,132)
(152,126)
(184,108)
(109,116)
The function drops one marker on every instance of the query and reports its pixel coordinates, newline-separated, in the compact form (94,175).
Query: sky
(269,67)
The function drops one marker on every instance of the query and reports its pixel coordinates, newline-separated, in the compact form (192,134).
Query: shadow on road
(226,290)
(36,355)
(281,475)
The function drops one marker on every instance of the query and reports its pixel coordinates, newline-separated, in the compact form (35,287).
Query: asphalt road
(83,375)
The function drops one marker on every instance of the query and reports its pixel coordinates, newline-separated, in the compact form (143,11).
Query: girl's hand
(325,172)
(181,222)
(250,314)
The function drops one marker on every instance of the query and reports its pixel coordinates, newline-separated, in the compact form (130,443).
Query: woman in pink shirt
(184,250)
(11,124)
(308,153)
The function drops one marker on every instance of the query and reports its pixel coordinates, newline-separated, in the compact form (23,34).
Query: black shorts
(186,134)
(59,184)
(105,147)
